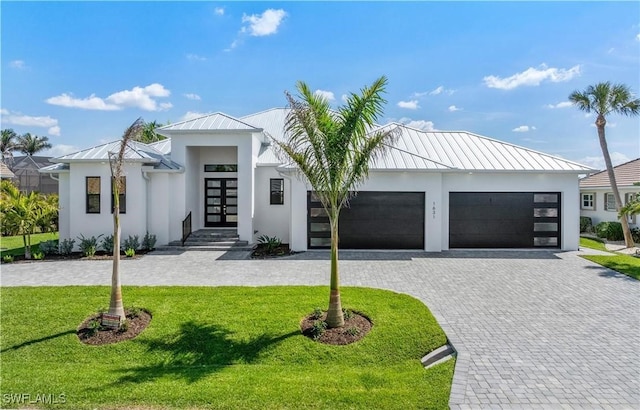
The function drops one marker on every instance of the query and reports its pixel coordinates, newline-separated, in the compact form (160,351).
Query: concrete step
(213,246)
(440,355)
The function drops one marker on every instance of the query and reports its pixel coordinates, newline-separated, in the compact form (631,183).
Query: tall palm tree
(116,162)
(333,149)
(149,134)
(8,144)
(32,144)
(604,99)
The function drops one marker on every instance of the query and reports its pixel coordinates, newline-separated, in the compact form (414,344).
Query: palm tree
(148,134)
(8,144)
(604,99)
(116,162)
(333,149)
(31,144)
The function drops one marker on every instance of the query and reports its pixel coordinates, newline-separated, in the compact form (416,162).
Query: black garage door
(373,220)
(504,219)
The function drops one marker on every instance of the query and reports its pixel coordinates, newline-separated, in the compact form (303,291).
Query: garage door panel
(376,220)
(504,219)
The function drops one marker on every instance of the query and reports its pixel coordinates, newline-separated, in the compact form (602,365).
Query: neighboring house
(431,190)
(596,198)
(5,172)
(28,178)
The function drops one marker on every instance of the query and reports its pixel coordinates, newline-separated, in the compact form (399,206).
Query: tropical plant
(132,242)
(269,243)
(604,99)
(149,242)
(332,149)
(116,163)
(631,208)
(8,144)
(149,134)
(65,247)
(21,213)
(88,246)
(107,244)
(49,220)
(32,144)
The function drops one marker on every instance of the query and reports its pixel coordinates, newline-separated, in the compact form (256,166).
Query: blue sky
(81,72)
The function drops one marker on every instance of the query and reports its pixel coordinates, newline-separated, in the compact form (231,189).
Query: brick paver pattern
(533,329)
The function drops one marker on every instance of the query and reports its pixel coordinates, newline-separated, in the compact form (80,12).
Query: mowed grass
(626,264)
(227,347)
(14,245)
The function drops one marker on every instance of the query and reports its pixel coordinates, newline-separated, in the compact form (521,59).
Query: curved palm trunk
(600,123)
(335,317)
(115,305)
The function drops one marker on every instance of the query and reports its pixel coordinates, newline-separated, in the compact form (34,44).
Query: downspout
(147,178)
(54,178)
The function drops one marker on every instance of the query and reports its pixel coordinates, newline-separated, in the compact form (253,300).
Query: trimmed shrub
(611,231)
(149,242)
(48,247)
(88,246)
(66,246)
(132,242)
(107,244)
(586,226)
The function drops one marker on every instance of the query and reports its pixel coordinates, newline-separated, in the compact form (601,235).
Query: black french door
(220,202)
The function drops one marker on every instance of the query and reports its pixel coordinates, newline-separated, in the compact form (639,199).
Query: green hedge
(612,231)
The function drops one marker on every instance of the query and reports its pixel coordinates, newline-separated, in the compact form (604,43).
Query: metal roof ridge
(420,156)
(230,117)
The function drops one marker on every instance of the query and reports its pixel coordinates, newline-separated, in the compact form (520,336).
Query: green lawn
(228,347)
(14,245)
(629,265)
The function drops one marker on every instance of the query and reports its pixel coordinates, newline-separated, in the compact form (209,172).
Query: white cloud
(190,115)
(638,37)
(411,105)
(58,150)
(4,111)
(453,108)
(418,124)
(327,95)
(439,90)
(617,158)
(563,104)
(196,57)
(523,128)
(138,97)
(219,11)
(18,64)
(192,96)
(344,98)
(55,131)
(263,24)
(532,77)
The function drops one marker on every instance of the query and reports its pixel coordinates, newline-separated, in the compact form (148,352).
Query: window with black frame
(277,191)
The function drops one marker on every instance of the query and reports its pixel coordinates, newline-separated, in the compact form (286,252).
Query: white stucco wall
(271,220)
(599,214)
(133,222)
(64,210)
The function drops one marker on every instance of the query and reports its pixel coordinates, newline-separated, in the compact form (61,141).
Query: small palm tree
(116,162)
(32,144)
(604,99)
(8,144)
(333,149)
(149,134)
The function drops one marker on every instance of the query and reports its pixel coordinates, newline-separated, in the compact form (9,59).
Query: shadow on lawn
(196,351)
(34,341)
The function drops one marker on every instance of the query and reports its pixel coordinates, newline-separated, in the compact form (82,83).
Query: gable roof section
(5,172)
(30,162)
(210,122)
(626,175)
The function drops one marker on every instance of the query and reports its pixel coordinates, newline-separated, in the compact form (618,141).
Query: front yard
(626,264)
(225,347)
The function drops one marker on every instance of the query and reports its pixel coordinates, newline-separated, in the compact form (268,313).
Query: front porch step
(211,239)
(206,246)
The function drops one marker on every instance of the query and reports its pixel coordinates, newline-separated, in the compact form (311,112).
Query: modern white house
(431,191)
(596,198)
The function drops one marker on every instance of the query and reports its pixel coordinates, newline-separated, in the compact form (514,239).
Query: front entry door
(220,202)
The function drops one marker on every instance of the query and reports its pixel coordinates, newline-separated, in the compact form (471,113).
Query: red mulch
(339,335)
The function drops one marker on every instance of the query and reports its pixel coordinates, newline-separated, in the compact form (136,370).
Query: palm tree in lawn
(333,149)
(8,144)
(604,99)
(116,162)
(32,144)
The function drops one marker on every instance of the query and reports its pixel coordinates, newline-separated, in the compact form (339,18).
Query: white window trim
(593,201)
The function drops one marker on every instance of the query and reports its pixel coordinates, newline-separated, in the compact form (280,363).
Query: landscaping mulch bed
(261,252)
(136,323)
(99,256)
(340,335)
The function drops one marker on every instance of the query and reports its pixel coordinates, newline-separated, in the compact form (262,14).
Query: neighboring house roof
(5,172)
(55,169)
(626,175)
(210,122)
(30,162)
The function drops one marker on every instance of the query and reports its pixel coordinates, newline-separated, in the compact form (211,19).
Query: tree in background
(604,99)
(22,213)
(8,144)
(32,144)
(333,149)
(148,134)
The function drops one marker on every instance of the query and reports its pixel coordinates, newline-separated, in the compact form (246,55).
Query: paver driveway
(533,329)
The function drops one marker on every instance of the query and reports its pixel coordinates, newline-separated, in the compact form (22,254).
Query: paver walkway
(533,329)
